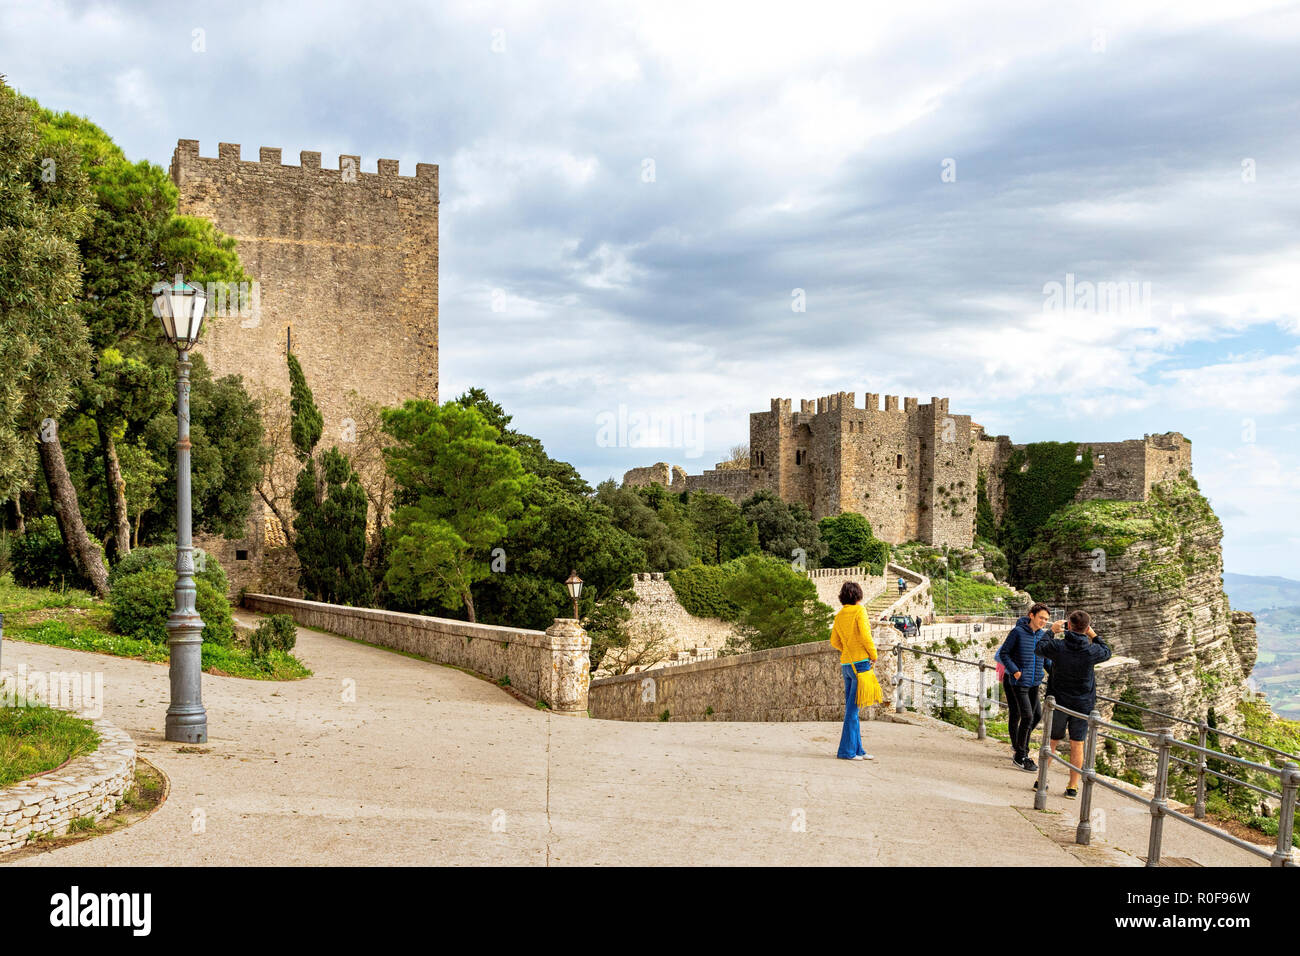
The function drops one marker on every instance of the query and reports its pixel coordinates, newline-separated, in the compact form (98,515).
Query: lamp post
(1065,611)
(181,307)
(574,584)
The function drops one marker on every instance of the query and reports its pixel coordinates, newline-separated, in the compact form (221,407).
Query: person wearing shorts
(1074,658)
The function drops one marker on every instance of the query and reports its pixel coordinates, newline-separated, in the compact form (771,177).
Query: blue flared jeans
(851,735)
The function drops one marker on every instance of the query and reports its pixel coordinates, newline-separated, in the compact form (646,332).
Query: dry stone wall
(88,786)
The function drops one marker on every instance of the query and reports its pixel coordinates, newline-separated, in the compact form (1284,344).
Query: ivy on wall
(1038,480)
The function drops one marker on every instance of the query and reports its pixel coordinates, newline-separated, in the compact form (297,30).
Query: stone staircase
(880,603)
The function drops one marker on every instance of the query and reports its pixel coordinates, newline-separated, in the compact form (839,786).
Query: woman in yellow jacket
(851,636)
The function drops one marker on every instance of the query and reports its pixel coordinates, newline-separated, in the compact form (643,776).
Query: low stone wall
(89,786)
(915,601)
(552,665)
(829,581)
(801,682)
(657,609)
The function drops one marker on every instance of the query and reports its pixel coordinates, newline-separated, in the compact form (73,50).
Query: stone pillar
(570,676)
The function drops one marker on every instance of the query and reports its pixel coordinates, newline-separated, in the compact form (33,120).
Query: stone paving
(383,759)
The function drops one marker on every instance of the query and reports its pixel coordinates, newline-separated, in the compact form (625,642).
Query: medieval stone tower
(346,265)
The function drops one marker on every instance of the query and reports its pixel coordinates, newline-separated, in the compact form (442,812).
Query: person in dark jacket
(1023,673)
(1074,683)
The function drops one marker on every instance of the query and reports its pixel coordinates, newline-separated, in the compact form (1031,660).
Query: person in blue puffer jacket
(1024,674)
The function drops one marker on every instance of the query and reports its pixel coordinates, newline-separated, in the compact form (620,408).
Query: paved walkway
(432,766)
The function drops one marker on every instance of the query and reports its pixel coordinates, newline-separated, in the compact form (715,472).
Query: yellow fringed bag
(869,690)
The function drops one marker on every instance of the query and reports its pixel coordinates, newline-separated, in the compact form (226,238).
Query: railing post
(1158,802)
(1083,834)
(1286,815)
(898,678)
(1202,735)
(980,729)
(1044,755)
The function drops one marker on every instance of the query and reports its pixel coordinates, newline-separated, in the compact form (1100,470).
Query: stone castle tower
(346,265)
(913,470)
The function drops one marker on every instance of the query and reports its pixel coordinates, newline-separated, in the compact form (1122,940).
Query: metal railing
(1288,774)
(1203,731)
(981,727)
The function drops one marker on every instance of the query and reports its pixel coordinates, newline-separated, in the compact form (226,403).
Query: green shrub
(705,589)
(142,602)
(851,543)
(778,605)
(38,557)
(277,633)
(164,556)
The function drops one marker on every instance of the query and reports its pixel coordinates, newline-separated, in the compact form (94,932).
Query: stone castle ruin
(912,471)
(346,268)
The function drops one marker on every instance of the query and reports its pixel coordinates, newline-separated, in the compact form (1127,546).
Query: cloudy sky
(637,199)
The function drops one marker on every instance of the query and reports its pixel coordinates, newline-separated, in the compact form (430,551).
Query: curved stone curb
(88,786)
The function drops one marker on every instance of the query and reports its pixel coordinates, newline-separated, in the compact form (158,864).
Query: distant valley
(1275,602)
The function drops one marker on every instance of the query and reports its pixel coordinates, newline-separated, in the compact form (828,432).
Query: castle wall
(346,260)
(1166,456)
(881,478)
(734,483)
(991,454)
(912,471)
(1118,471)
(948,506)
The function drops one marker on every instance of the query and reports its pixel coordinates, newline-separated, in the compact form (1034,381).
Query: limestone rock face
(1151,575)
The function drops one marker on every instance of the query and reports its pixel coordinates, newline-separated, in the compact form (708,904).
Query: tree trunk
(85,556)
(285,526)
(116,491)
(469,605)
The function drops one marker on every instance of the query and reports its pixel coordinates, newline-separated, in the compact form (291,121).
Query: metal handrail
(1289,774)
(1199,725)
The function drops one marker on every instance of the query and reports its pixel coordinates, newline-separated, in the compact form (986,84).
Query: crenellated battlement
(847,401)
(229,158)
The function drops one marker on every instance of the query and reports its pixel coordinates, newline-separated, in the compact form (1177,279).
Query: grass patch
(80,622)
(964,595)
(38,738)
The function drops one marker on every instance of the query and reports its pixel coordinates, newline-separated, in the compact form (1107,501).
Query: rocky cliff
(1150,573)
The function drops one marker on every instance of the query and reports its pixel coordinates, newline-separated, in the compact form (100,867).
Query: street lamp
(574,584)
(181,307)
(1065,612)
